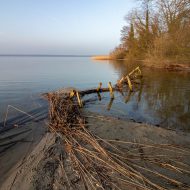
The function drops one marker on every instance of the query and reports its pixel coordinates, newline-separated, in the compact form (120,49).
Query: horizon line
(44,55)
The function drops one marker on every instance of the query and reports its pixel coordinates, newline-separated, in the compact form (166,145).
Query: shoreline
(170,67)
(49,154)
(101,57)
(167,66)
(29,173)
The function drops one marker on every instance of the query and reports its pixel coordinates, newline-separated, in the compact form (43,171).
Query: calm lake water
(163,99)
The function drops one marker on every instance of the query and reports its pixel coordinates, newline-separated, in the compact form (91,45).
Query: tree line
(156,32)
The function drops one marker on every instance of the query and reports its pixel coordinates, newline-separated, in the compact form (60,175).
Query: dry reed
(101,164)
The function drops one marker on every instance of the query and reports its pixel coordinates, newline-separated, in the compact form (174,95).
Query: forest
(157,32)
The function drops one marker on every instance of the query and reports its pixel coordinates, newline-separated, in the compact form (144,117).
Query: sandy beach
(16,145)
(39,161)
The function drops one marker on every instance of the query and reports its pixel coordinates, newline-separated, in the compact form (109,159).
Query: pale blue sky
(61,26)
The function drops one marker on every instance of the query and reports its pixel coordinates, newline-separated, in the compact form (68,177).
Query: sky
(66,27)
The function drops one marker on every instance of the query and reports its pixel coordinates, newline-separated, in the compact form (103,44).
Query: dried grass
(101,164)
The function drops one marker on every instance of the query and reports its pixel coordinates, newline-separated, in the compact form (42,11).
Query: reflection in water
(99,96)
(23,79)
(163,99)
(128,96)
(110,104)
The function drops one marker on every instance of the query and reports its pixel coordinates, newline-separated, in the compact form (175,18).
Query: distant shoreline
(101,57)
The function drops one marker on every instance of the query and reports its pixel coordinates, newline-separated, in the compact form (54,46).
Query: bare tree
(174,12)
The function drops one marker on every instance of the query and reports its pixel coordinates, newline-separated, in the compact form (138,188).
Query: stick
(111,90)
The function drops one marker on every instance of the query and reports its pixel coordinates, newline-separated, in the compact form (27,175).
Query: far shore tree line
(157,32)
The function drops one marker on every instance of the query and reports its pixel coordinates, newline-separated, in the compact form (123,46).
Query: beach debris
(111,90)
(79,99)
(73,93)
(19,110)
(99,87)
(130,78)
(100,164)
(129,83)
(137,71)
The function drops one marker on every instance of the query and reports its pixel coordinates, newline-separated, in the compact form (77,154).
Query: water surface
(24,78)
(163,99)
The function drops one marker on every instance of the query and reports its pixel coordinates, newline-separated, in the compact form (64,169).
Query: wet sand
(16,145)
(35,162)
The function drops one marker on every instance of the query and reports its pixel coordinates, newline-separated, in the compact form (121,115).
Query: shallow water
(24,78)
(163,99)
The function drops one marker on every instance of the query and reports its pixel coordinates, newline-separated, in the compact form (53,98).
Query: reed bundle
(101,164)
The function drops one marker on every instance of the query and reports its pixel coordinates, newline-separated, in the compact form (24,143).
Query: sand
(40,162)
(16,145)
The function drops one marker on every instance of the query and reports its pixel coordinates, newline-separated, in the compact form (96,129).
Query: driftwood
(94,90)
(100,164)
(128,80)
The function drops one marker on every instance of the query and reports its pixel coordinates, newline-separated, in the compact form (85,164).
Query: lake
(163,98)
